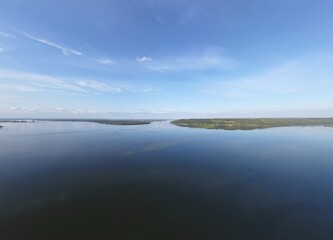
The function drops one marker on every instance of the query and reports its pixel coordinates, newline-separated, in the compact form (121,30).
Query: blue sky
(166,58)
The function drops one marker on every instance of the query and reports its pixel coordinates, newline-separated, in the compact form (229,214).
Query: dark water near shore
(65,180)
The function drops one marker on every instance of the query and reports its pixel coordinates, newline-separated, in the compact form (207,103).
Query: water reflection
(63,180)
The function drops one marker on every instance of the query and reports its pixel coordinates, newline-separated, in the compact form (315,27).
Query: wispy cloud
(5,35)
(66,51)
(41,82)
(106,61)
(99,86)
(210,59)
(20,88)
(29,82)
(2,50)
(143,59)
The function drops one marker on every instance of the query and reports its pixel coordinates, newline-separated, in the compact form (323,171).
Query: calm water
(64,180)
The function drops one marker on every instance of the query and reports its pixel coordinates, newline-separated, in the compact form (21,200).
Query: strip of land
(14,121)
(105,121)
(252,123)
(101,121)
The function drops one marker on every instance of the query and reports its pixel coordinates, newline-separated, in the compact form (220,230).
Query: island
(252,123)
(105,121)
(14,121)
(101,121)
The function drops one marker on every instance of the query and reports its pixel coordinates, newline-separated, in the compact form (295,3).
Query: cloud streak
(41,82)
(65,51)
(106,61)
(29,82)
(23,88)
(5,35)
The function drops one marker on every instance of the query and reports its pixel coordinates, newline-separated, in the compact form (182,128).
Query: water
(72,180)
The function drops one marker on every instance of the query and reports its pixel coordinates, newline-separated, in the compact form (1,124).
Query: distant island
(252,123)
(11,121)
(14,121)
(105,121)
(101,121)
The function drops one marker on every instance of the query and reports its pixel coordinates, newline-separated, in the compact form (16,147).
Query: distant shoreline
(124,122)
(252,123)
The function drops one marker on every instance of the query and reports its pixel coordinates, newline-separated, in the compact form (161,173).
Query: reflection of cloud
(153,147)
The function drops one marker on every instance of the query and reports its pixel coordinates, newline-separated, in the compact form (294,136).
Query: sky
(166,58)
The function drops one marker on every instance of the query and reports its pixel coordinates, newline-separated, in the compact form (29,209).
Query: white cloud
(68,51)
(64,50)
(28,82)
(40,82)
(2,50)
(106,61)
(143,59)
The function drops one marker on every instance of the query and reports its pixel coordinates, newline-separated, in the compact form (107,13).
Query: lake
(81,180)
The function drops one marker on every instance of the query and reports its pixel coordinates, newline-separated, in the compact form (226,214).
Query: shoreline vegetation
(15,121)
(252,123)
(101,121)
(124,122)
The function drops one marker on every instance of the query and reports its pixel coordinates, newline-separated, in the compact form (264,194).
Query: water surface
(80,180)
